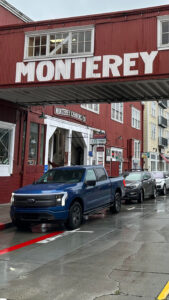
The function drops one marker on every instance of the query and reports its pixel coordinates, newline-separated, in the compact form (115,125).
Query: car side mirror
(91,182)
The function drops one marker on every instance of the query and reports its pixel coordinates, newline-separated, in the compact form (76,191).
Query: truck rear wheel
(115,209)
(75,216)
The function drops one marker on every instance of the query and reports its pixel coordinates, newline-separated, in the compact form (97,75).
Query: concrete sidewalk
(5,220)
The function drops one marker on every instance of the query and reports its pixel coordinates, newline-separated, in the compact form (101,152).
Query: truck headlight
(61,198)
(12,198)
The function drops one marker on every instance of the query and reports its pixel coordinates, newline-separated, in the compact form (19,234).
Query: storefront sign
(69,113)
(98,141)
(93,67)
(100,149)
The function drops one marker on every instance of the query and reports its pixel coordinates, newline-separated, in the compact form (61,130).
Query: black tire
(127,201)
(154,195)
(164,191)
(75,216)
(21,225)
(141,197)
(115,209)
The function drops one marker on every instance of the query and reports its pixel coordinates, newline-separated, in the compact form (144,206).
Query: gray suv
(139,185)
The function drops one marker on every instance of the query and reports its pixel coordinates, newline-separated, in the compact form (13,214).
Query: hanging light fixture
(42,116)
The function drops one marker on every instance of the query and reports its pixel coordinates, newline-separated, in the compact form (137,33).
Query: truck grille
(37,201)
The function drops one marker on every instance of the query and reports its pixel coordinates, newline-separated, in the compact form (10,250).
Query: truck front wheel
(75,216)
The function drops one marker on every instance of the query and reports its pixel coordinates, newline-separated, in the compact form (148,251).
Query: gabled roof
(15,11)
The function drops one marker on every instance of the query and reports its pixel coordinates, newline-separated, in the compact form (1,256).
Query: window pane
(65,48)
(43,40)
(23,140)
(4,146)
(59,51)
(87,46)
(74,48)
(37,51)
(90,175)
(165,38)
(37,40)
(96,107)
(88,36)
(43,50)
(31,48)
(58,38)
(31,41)
(81,47)
(30,51)
(81,36)
(52,42)
(165,27)
(33,144)
(42,144)
(74,37)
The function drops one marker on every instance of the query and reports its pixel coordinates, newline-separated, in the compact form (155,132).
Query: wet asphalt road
(124,256)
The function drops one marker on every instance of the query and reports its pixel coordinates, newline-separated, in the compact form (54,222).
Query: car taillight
(124,182)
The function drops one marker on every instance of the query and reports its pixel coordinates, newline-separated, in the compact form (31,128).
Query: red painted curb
(30,242)
(5,225)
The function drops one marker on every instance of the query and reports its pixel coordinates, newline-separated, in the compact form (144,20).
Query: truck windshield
(61,176)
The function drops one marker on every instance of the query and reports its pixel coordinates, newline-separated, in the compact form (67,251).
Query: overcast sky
(53,9)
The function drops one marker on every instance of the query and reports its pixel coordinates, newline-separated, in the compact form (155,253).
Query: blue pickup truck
(66,194)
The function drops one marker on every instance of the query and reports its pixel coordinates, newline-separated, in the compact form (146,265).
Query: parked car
(162,181)
(66,194)
(139,185)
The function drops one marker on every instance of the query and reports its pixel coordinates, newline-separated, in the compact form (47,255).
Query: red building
(84,60)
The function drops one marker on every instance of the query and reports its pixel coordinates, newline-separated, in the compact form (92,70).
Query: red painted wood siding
(7,18)
(116,34)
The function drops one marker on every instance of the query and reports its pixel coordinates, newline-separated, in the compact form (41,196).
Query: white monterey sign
(110,66)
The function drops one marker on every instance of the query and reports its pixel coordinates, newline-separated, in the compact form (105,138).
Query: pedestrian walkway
(5,220)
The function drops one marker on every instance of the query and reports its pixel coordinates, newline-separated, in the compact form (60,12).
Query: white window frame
(161,19)
(153,108)
(92,109)
(137,148)
(69,30)
(6,170)
(153,131)
(136,118)
(121,110)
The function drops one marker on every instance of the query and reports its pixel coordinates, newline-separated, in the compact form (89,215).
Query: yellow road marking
(165,292)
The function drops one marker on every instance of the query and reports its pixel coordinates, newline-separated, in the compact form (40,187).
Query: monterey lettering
(85,68)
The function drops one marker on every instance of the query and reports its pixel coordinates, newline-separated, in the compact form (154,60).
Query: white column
(69,147)
(49,132)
